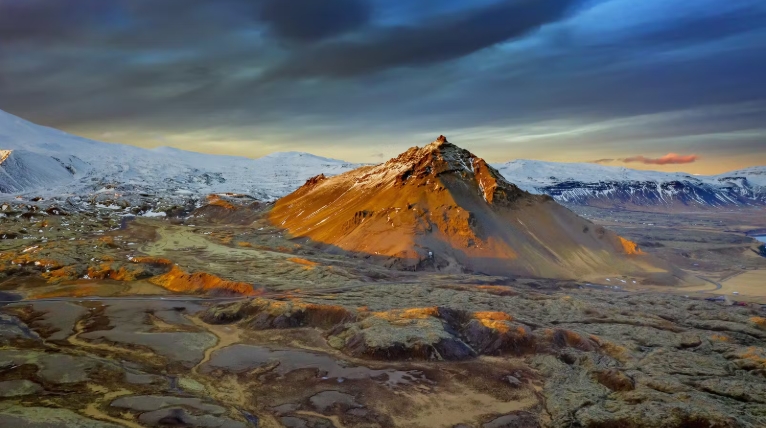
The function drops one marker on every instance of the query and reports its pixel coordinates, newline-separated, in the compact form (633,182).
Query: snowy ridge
(21,170)
(104,168)
(591,184)
(41,161)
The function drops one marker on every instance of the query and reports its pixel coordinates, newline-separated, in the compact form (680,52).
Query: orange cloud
(668,159)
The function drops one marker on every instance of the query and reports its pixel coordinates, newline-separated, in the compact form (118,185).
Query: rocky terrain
(212,316)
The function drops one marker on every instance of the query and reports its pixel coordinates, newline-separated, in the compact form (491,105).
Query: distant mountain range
(607,186)
(38,160)
(44,161)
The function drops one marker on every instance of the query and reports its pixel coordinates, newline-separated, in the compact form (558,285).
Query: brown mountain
(441,207)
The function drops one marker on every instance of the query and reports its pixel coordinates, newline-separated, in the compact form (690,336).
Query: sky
(649,84)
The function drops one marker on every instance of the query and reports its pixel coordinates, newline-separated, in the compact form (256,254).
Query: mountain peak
(441,144)
(440,154)
(441,140)
(441,207)
(442,160)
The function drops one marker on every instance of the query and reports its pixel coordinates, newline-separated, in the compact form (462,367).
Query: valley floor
(158,322)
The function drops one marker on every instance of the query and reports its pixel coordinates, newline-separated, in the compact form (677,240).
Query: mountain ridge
(130,170)
(168,170)
(608,186)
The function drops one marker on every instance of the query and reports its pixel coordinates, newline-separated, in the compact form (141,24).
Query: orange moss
(492,316)
(181,282)
(499,326)
(420,313)
(307,263)
(108,241)
(68,273)
(630,247)
(720,338)
(106,271)
(753,358)
(410,314)
(619,353)
(755,354)
(217,201)
(152,261)
(244,244)
(759,321)
(574,339)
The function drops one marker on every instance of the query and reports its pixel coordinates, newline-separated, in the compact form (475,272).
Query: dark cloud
(440,38)
(313,20)
(605,160)
(49,20)
(668,159)
(693,28)
(339,71)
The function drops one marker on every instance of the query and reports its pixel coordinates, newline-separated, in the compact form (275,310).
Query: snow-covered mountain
(606,186)
(41,161)
(47,161)
(21,170)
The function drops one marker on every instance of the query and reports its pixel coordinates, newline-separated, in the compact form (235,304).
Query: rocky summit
(442,208)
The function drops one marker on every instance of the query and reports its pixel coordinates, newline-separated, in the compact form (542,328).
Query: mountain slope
(441,207)
(162,171)
(606,186)
(21,170)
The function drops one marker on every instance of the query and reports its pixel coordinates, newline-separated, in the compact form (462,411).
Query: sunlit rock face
(440,207)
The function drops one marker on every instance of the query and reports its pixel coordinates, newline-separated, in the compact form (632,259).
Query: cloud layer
(551,79)
(668,159)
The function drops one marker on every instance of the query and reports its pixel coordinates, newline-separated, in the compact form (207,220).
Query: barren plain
(201,322)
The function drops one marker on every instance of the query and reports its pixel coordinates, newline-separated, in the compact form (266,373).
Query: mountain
(48,161)
(441,207)
(606,186)
(21,170)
